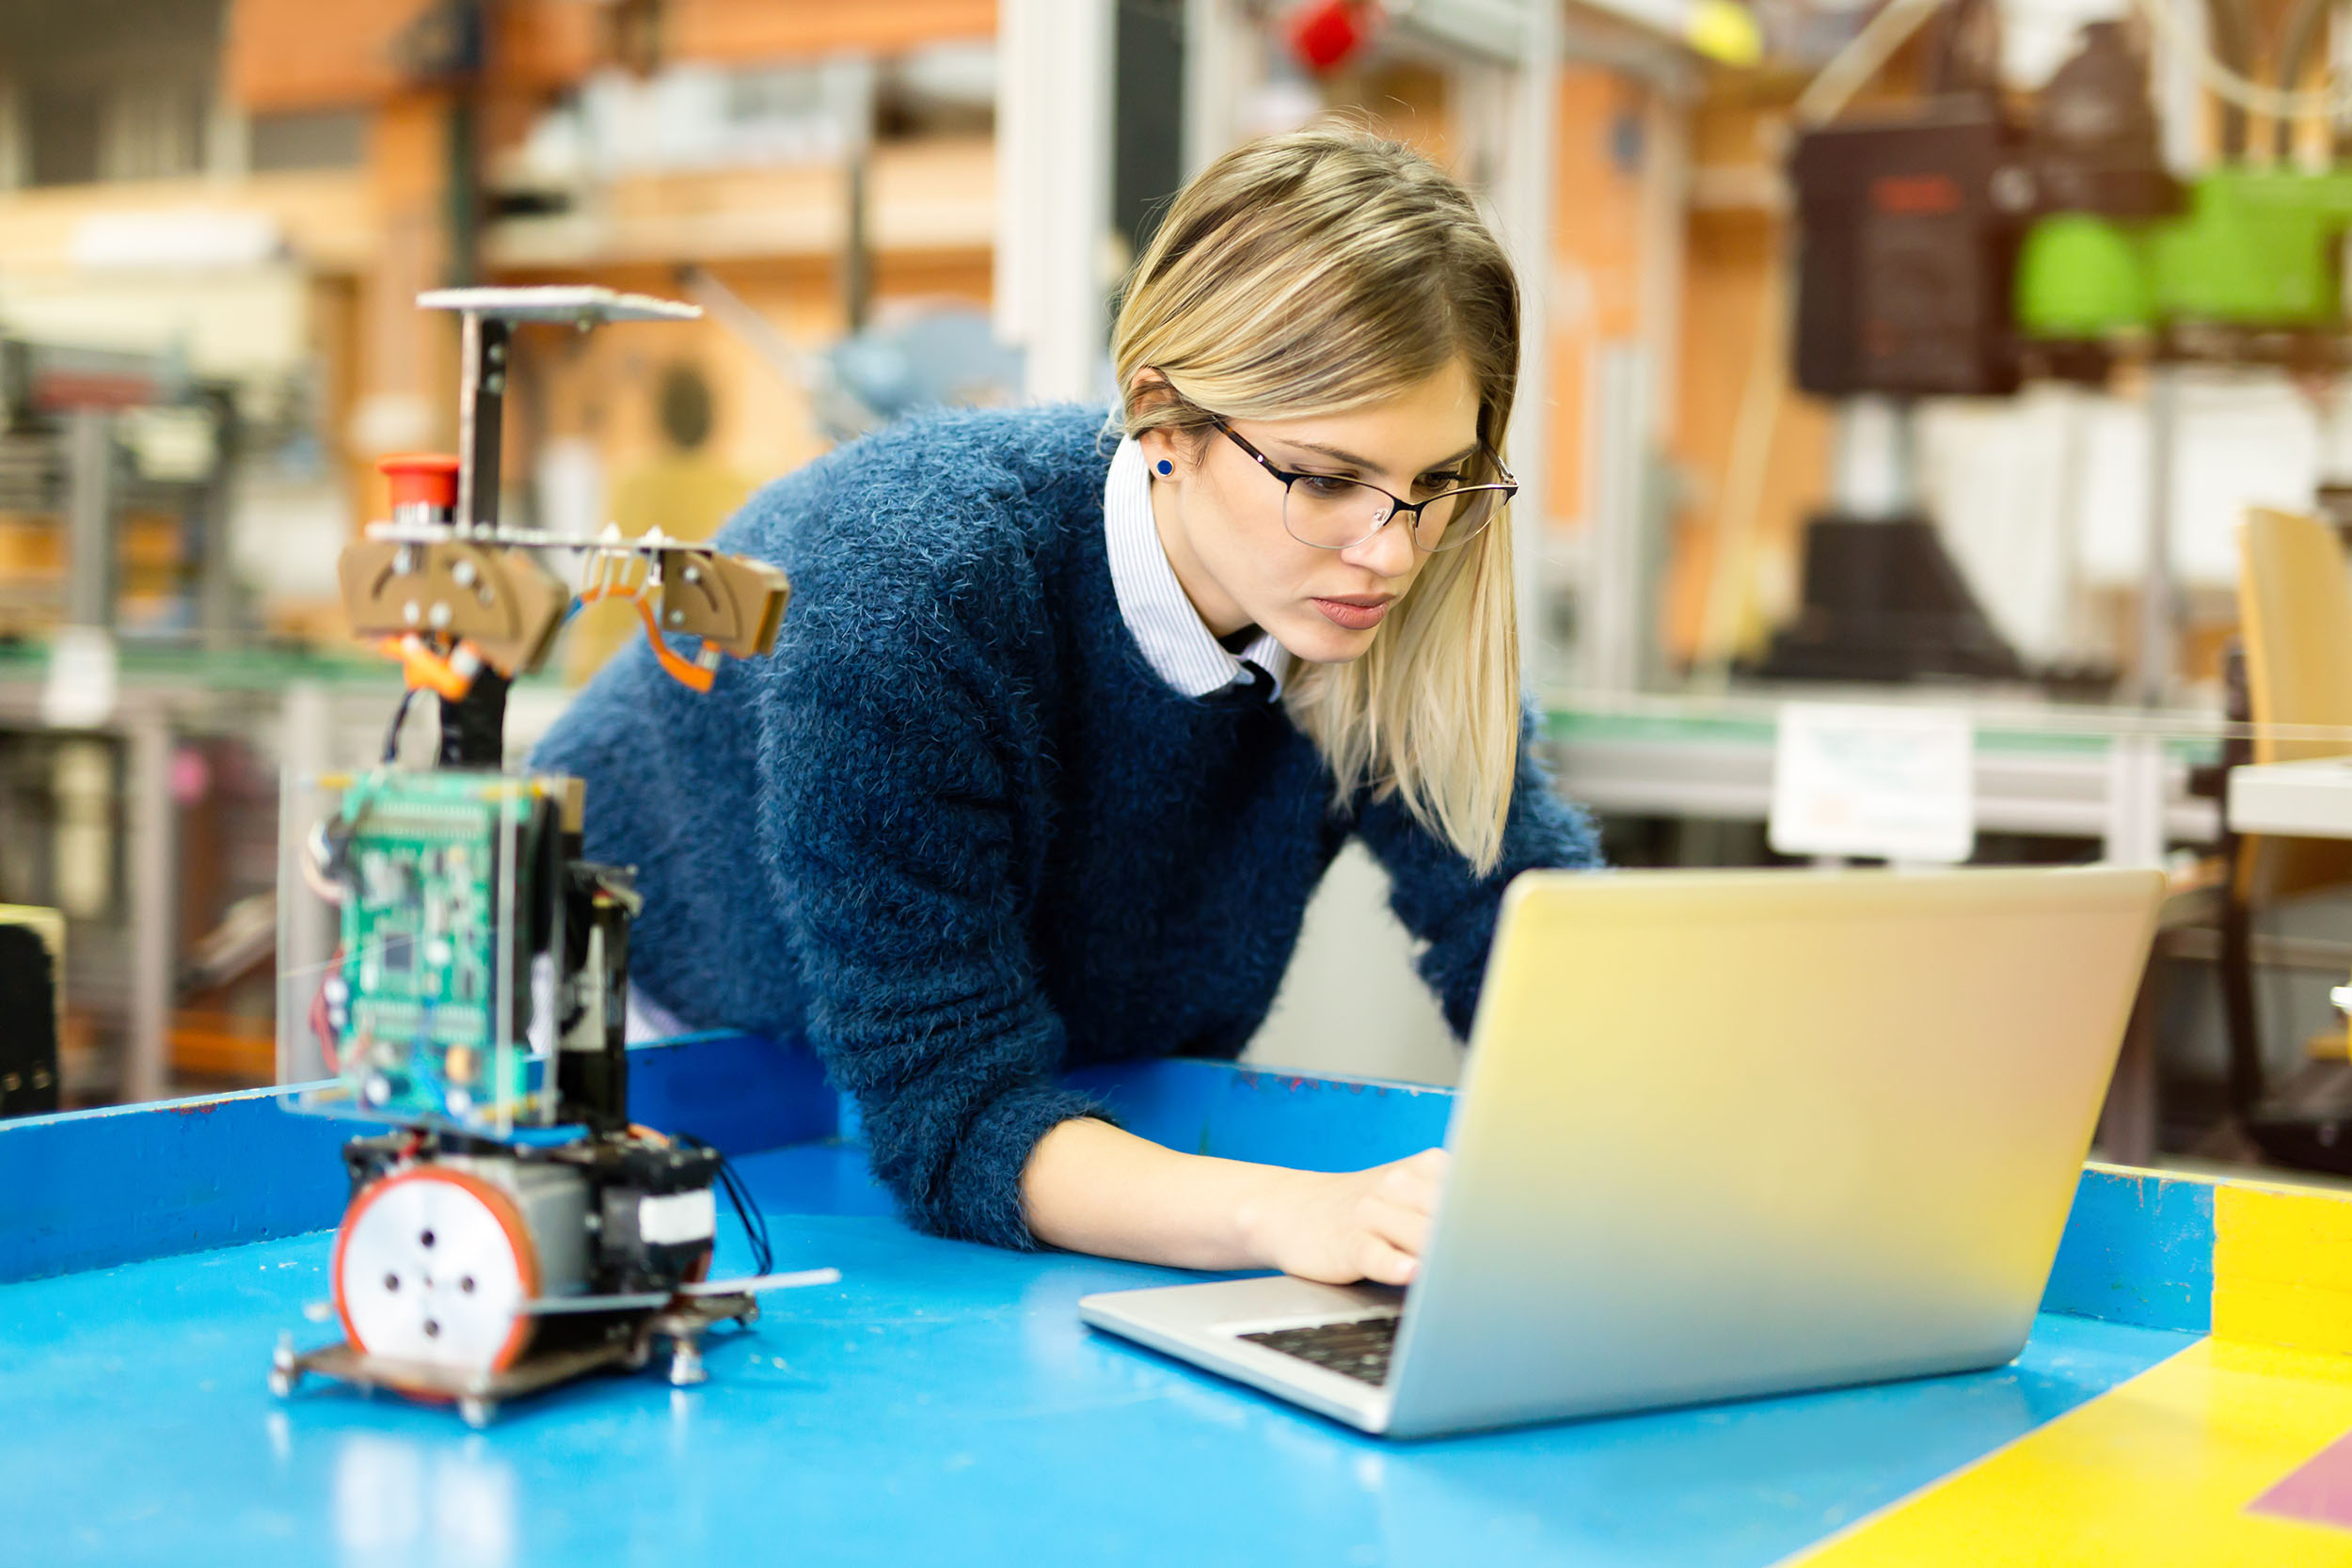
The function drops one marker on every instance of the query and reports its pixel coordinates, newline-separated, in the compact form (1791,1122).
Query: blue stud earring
(1165,466)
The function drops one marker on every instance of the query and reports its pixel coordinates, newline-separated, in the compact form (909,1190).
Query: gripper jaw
(503,601)
(733,603)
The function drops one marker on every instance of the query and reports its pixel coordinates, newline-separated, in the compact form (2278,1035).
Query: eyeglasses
(1333,514)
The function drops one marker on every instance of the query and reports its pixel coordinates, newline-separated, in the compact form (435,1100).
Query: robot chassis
(512,1230)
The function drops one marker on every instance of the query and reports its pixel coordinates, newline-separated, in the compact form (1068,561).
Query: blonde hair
(1314,273)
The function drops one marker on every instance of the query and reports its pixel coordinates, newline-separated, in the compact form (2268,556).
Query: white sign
(183,239)
(79,693)
(1893,782)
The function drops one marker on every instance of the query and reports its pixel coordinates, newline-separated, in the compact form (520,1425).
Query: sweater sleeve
(891,771)
(1447,905)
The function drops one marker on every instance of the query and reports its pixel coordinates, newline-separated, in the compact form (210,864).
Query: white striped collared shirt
(1175,641)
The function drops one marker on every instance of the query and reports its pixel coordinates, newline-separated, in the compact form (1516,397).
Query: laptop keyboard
(1358,1347)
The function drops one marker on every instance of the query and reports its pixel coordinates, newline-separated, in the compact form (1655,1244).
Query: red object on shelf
(421,478)
(1323,33)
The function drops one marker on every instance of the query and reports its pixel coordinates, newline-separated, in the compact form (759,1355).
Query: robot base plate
(479,1394)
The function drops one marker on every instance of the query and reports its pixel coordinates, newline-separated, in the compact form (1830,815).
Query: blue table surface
(942,1404)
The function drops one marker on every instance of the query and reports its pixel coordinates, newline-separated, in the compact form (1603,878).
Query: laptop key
(1357,1347)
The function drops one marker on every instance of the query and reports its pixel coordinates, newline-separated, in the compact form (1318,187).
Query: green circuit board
(436,870)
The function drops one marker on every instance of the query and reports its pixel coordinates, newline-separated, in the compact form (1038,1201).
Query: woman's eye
(1448,481)
(1325,488)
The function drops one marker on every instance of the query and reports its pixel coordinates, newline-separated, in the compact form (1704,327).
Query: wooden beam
(753,31)
(294,54)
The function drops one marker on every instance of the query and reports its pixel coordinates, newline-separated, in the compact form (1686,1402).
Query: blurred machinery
(1925,235)
(32,992)
(113,468)
(114,525)
(1960,246)
(940,356)
(934,356)
(513,1228)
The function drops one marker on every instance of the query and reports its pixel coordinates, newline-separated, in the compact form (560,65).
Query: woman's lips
(1353,616)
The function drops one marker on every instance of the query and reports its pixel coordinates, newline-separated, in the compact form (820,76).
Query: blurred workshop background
(1898,380)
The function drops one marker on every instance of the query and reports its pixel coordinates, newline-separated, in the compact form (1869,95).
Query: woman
(1056,742)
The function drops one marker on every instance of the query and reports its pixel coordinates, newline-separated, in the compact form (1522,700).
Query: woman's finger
(1403,1227)
(1386,1266)
(1415,1183)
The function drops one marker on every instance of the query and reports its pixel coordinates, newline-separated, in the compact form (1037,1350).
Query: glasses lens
(1332,512)
(1454,520)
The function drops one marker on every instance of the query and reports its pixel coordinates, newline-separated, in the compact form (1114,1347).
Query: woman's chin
(1313,640)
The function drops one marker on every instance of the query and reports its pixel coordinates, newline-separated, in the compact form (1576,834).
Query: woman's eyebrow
(1340,455)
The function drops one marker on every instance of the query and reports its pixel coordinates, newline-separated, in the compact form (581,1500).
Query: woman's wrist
(1266,1203)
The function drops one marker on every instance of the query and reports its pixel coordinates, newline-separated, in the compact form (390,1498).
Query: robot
(510,1228)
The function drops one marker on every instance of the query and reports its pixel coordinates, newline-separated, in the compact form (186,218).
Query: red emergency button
(421,479)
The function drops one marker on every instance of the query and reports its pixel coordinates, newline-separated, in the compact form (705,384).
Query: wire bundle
(747,1210)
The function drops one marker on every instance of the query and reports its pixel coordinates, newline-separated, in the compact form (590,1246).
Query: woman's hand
(1356,1225)
(1092,1188)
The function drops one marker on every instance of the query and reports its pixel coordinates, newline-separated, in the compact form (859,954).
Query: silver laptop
(1724,1134)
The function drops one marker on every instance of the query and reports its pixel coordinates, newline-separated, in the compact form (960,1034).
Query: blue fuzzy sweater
(956,830)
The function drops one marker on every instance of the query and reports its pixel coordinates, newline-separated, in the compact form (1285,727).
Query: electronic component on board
(425,1012)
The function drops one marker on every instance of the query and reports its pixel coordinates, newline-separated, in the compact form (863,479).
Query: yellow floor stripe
(2153,1473)
(2282,1268)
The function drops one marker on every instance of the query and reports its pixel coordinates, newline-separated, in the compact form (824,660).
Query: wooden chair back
(2294,606)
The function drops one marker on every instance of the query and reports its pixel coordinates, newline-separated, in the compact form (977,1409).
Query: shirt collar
(1175,641)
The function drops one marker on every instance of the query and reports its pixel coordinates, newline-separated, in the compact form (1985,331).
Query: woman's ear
(1161,456)
(1165,455)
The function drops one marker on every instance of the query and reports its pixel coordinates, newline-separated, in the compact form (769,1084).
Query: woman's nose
(1388,552)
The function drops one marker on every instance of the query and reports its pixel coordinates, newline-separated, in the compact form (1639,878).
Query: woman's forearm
(1092,1188)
